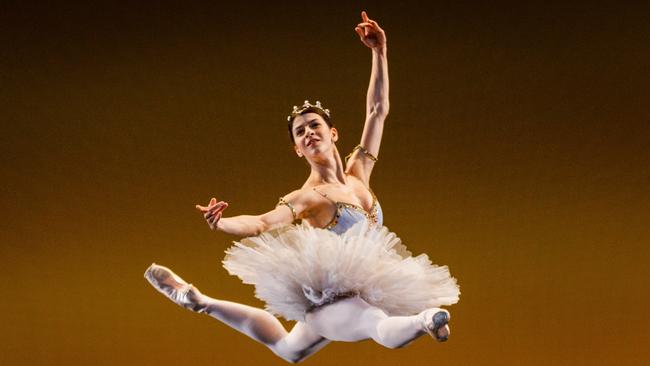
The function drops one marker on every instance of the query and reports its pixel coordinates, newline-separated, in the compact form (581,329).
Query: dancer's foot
(435,324)
(174,288)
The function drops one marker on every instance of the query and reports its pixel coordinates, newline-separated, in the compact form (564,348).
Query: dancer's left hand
(370,33)
(212,213)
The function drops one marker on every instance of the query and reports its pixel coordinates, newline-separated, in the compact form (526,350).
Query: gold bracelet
(364,151)
(293,210)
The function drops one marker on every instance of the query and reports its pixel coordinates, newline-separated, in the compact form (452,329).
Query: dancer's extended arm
(249,225)
(360,164)
(293,207)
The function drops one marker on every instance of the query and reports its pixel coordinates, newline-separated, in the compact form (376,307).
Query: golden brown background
(516,152)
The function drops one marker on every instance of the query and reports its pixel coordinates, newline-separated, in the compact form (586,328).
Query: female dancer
(339,274)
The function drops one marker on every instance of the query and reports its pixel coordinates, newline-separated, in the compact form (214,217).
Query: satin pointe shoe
(435,324)
(174,287)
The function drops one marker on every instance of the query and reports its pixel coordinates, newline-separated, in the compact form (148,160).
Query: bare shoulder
(300,195)
(302,200)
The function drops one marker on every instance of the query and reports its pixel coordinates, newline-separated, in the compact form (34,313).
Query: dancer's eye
(300,132)
(314,125)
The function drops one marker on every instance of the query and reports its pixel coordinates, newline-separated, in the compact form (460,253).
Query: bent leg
(399,331)
(265,328)
(299,344)
(354,319)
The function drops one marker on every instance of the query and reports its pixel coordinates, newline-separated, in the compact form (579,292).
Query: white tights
(349,320)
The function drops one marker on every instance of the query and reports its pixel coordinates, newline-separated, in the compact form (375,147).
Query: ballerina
(338,273)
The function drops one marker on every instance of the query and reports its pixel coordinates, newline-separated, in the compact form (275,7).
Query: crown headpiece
(316,107)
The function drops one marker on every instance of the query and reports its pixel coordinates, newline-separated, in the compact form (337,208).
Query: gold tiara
(299,110)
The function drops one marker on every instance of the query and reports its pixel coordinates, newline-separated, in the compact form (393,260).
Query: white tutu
(298,267)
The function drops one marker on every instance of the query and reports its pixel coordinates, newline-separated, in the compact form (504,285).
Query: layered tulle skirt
(297,268)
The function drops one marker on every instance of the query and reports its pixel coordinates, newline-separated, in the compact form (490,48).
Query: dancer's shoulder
(305,202)
(303,196)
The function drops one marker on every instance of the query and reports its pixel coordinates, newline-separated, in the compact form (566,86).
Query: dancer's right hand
(212,213)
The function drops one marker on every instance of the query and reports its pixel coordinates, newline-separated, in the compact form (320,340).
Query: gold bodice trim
(372,216)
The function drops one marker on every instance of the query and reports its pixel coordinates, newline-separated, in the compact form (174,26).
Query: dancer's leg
(354,319)
(265,328)
(299,344)
(399,331)
(255,323)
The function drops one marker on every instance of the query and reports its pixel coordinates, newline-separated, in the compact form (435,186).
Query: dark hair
(318,111)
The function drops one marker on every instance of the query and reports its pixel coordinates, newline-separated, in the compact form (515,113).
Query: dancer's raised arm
(364,156)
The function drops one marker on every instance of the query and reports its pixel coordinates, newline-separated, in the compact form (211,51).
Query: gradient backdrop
(516,152)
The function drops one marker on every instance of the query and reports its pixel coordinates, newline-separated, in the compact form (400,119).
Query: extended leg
(255,323)
(265,328)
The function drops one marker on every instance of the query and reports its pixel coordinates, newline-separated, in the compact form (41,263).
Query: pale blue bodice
(348,214)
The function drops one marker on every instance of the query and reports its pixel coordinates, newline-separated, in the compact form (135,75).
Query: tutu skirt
(299,267)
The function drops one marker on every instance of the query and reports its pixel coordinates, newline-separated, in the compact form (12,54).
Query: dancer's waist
(330,300)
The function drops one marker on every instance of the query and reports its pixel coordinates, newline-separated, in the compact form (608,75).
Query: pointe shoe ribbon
(173,287)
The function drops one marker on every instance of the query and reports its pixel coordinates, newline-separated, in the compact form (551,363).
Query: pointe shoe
(173,287)
(436,324)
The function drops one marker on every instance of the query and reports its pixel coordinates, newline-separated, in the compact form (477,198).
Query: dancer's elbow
(380,109)
(260,227)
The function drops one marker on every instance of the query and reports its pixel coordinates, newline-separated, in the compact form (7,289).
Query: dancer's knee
(299,344)
(291,358)
(282,350)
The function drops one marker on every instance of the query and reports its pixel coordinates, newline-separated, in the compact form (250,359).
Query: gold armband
(293,210)
(364,151)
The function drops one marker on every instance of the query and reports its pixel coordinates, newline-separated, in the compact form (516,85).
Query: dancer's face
(312,135)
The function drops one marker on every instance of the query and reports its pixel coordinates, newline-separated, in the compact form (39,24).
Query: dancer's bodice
(348,214)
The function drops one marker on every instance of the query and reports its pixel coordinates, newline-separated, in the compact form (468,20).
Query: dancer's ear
(295,147)
(335,134)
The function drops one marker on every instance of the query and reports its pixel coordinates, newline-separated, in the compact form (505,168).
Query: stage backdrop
(516,152)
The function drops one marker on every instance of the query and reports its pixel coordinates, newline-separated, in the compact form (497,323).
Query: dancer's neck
(330,171)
